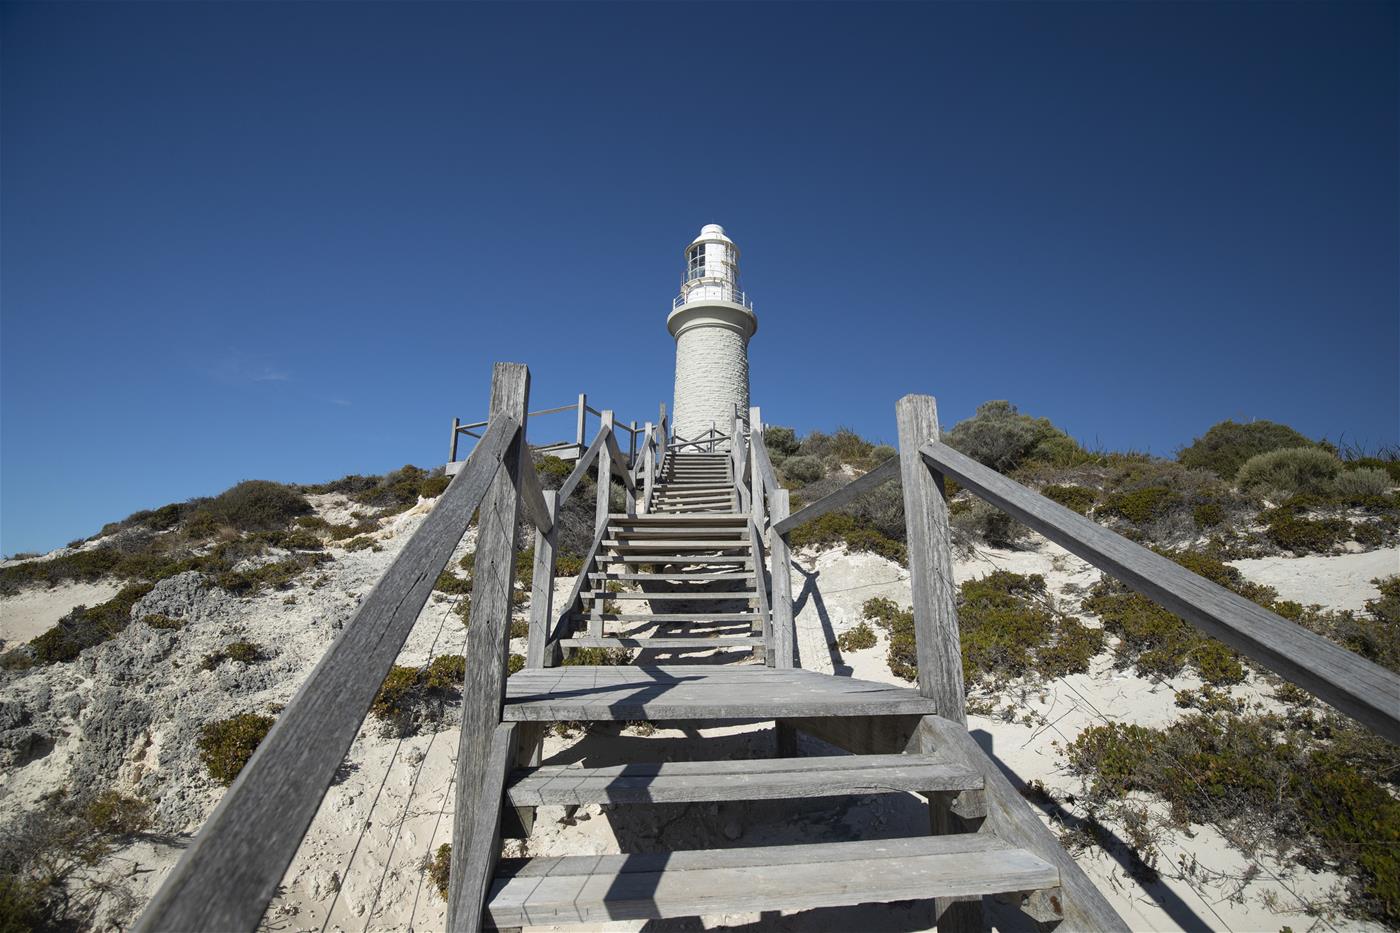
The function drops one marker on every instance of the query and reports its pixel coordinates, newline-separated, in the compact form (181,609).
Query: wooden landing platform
(696,691)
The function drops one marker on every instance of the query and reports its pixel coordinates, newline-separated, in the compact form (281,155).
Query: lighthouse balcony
(712,291)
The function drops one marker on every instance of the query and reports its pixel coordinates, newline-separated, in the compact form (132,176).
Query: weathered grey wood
(1011,819)
(695,642)
(605,471)
(480,847)
(860,735)
(581,466)
(889,470)
(688,559)
(1361,689)
(669,577)
(488,636)
(542,586)
(226,877)
(737,518)
(619,463)
(596,889)
(452,451)
(696,616)
(764,624)
(749,779)
(699,691)
(936,637)
(669,595)
(648,468)
(758,487)
(582,416)
(784,633)
(654,530)
(533,497)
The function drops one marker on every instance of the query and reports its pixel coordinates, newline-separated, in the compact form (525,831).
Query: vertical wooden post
(632,446)
(733,422)
(488,641)
(542,587)
(936,637)
(665,428)
(755,475)
(648,466)
(452,451)
(930,561)
(784,636)
(579,437)
(604,476)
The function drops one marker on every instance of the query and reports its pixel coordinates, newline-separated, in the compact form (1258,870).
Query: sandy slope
(360,867)
(33,612)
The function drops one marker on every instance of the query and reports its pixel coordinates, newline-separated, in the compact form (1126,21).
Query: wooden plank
(605,470)
(762,779)
(533,498)
(481,847)
(648,468)
(582,417)
(1363,690)
(696,616)
(619,518)
(581,466)
(488,636)
(596,889)
(670,595)
(668,577)
(758,484)
(856,488)
(699,691)
(619,462)
(784,632)
(228,874)
(1011,819)
(688,559)
(936,637)
(860,735)
(695,642)
(542,586)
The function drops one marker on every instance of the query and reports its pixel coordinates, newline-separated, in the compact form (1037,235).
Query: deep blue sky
(286,241)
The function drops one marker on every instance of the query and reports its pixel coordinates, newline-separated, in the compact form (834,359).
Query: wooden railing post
(542,587)
(452,451)
(930,561)
(783,634)
(648,467)
(937,642)
(580,437)
(604,476)
(488,644)
(755,477)
(632,446)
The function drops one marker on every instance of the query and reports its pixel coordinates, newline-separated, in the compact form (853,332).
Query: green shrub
(568,565)
(844,446)
(1075,498)
(1208,515)
(411,697)
(985,521)
(401,489)
(246,652)
(226,744)
(1363,483)
(780,441)
(434,486)
(277,575)
(1009,628)
(1002,438)
(83,627)
(449,582)
(392,700)
(1292,532)
(439,871)
(1389,464)
(803,470)
(257,505)
(445,672)
(515,664)
(158,621)
(859,638)
(519,628)
(360,543)
(552,471)
(596,657)
(1290,471)
(903,656)
(1140,506)
(1226,446)
(843,528)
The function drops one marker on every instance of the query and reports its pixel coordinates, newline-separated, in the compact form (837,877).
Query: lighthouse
(712,320)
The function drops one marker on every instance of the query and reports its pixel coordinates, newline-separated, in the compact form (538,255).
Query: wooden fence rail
(1363,690)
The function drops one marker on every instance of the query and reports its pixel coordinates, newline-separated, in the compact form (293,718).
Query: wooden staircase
(693,564)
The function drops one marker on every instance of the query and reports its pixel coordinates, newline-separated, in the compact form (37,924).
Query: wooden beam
(936,638)
(488,636)
(480,847)
(542,586)
(582,417)
(1363,690)
(452,451)
(227,876)
(856,488)
(758,483)
(648,467)
(580,469)
(761,582)
(784,635)
(1011,819)
(605,472)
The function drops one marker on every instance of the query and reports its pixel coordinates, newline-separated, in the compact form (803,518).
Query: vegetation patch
(1141,505)
(1296,782)
(1002,438)
(1010,628)
(1075,498)
(244,652)
(166,623)
(226,744)
(440,869)
(1226,446)
(857,534)
(859,638)
(598,657)
(277,575)
(1289,472)
(82,628)
(400,490)
(413,697)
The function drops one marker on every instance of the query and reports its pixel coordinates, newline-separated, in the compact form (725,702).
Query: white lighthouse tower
(712,321)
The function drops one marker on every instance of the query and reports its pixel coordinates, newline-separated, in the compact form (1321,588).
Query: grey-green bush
(1362,483)
(803,470)
(1002,438)
(1290,471)
(1226,446)
(780,441)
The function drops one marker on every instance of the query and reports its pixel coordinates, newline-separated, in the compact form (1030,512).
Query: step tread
(668,596)
(675,559)
(742,779)
(645,643)
(668,577)
(598,888)
(697,616)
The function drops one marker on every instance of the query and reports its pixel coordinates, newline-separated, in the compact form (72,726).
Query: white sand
(34,611)
(1341,581)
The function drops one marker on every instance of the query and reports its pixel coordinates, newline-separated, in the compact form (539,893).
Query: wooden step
(667,596)
(696,642)
(696,559)
(652,886)
(721,517)
(729,533)
(673,545)
(748,779)
(696,616)
(671,577)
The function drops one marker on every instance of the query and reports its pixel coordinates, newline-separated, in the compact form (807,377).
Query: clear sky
(286,240)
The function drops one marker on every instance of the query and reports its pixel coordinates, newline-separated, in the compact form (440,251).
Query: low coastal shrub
(799,471)
(157,621)
(1289,472)
(1141,505)
(225,745)
(1010,628)
(985,522)
(400,490)
(1225,447)
(413,697)
(1362,484)
(780,442)
(1076,498)
(903,656)
(859,638)
(1000,437)
(255,505)
(81,628)
(440,869)
(245,652)
(857,534)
